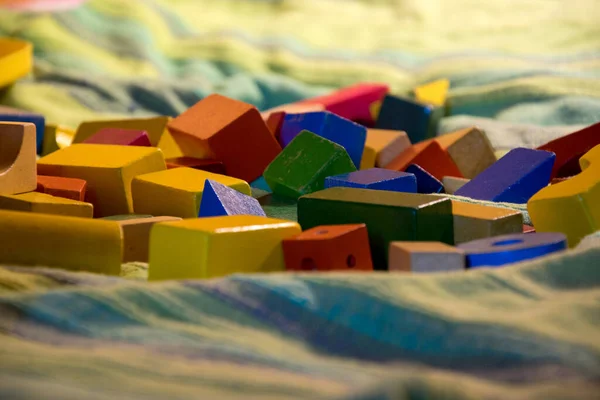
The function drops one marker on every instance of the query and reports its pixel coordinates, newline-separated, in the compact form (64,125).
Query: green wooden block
(389,216)
(303,165)
(125,217)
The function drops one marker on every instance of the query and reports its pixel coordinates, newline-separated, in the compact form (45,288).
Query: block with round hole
(17,158)
(329,247)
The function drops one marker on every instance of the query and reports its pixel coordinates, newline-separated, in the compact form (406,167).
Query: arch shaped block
(17,158)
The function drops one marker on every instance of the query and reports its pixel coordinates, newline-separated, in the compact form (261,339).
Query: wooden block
(368,158)
(304,164)
(571,207)
(16,59)
(389,216)
(136,236)
(509,249)
(349,135)
(425,257)
(570,148)
(234,131)
(80,244)
(274,123)
(154,127)
(429,156)
(513,179)
(37,120)
(292,108)
(219,200)
(123,137)
(107,169)
(17,158)
(528,229)
(177,192)
(352,102)
(406,115)
(217,246)
(209,165)
(68,188)
(434,93)
(476,221)
(453,183)
(375,179)
(329,248)
(426,183)
(279,207)
(46,204)
(387,145)
(470,149)
(56,137)
(125,217)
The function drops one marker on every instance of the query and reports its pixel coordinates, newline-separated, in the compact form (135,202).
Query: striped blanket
(524,71)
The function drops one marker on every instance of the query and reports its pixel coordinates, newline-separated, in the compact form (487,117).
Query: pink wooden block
(352,102)
(123,137)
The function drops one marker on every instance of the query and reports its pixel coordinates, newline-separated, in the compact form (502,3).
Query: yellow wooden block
(375,108)
(136,236)
(155,127)
(16,60)
(177,192)
(368,158)
(56,137)
(176,145)
(386,144)
(476,221)
(453,183)
(425,257)
(79,244)
(434,93)
(46,204)
(218,246)
(107,169)
(17,158)
(573,206)
(470,149)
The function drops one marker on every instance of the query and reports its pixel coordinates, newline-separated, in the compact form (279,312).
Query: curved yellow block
(16,60)
(573,206)
(63,242)
(217,246)
(46,204)
(434,93)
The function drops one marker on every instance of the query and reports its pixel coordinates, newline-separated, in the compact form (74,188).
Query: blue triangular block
(219,200)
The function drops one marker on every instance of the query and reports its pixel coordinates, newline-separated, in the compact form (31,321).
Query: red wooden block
(68,188)
(329,247)
(570,148)
(430,156)
(274,122)
(214,166)
(528,229)
(234,131)
(123,137)
(352,102)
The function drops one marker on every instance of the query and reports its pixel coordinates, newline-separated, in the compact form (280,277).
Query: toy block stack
(357,180)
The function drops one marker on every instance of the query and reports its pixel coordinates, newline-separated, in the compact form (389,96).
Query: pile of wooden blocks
(354,180)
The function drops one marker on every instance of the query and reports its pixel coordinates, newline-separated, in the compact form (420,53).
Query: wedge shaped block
(177,192)
(218,246)
(470,149)
(68,188)
(452,183)
(17,158)
(46,204)
(476,221)
(136,236)
(425,257)
(430,156)
(155,127)
(426,183)
(304,164)
(122,137)
(434,93)
(375,179)
(79,244)
(218,200)
(107,169)
(386,144)
(389,216)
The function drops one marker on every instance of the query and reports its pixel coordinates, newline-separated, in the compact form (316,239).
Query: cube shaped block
(68,188)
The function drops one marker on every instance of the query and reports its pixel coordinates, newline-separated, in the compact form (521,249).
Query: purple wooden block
(123,137)
(218,200)
(376,179)
(514,178)
(426,183)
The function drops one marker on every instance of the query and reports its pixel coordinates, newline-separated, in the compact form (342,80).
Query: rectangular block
(389,216)
(476,221)
(470,149)
(386,144)
(17,158)
(154,127)
(107,169)
(453,183)
(406,115)
(209,165)
(46,204)
(423,257)
(120,136)
(37,120)
(217,246)
(136,236)
(68,188)
(78,244)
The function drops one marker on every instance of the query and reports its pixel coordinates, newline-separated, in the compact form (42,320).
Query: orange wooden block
(213,166)
(274,122)
(17,157)
(136,236)
(234,131)
(68,188)
(470,149)
(329,247)
(425,257)
(293,108)
(430,156)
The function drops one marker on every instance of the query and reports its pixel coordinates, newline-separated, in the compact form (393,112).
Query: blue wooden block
(376,179)
(38,120)
(514,178)
(507,249)
(406,115)
(220,200)
(426,183)
(349,135)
